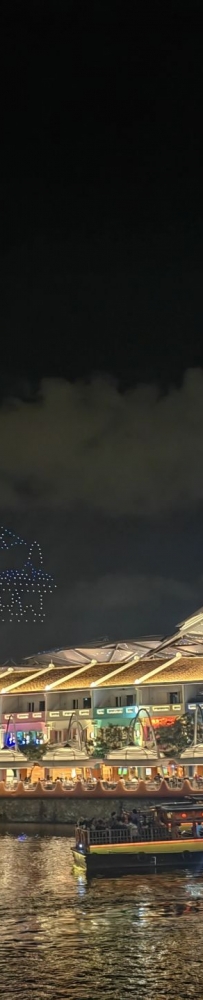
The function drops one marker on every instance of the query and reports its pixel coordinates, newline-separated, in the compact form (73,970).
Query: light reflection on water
(62,938)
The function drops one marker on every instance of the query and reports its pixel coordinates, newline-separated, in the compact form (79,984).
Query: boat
(167,838)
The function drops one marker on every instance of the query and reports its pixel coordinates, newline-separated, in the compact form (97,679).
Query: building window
(118,701)
(42,706)
(86,702)
(31,706)
(129,699)
(75,703)
(174,697)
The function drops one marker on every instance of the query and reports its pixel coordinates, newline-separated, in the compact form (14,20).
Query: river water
(64,939)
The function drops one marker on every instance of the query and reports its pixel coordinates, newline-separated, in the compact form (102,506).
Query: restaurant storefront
(23,728)
(159,715)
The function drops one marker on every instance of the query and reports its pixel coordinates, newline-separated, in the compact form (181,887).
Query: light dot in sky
(20,582)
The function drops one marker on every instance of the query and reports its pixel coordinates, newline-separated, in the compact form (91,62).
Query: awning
(12,758)
(133,754)
(195,751)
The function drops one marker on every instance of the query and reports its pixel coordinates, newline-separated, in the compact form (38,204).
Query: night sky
(101,376)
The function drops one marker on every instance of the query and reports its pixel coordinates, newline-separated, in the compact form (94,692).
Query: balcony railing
(126,713)
(21,717)
(59,715)
(166,709)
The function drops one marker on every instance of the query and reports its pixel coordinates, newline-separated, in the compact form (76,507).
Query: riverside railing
(98,789)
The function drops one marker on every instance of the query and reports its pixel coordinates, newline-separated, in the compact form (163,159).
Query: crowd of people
(135,824)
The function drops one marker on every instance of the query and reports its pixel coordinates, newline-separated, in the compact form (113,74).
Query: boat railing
(126,833)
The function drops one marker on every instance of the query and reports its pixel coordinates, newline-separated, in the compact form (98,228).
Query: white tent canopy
(12,758)
(132,753)
(187,639)
(65,756)
(116,652)
(193,751)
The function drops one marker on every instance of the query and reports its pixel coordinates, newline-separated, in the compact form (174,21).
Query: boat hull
(116,859)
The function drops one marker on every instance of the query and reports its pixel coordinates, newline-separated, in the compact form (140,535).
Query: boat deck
(121,849)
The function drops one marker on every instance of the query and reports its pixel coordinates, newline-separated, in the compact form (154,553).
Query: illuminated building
(102,685)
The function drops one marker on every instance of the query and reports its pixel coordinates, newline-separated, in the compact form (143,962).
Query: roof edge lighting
(118,670)
(73,673)
(157,670)
(23,680)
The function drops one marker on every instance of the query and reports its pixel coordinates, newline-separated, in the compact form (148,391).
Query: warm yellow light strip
(113,673)
(30,677)
(157,670)
(74,673)
(6,672)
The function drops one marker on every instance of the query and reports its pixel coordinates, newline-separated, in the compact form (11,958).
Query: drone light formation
(28,582)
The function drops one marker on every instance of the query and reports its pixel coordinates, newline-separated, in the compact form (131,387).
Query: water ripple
(63,938)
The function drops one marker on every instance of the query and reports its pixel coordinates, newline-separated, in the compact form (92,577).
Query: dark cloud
(121,454)
(111,486)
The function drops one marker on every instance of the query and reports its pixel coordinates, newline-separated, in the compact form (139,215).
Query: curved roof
(141,671)
(115,652)
(178,658)
(187,640)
